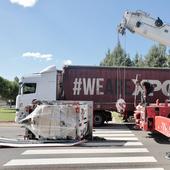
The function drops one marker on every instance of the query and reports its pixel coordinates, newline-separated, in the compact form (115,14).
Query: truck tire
(98,119)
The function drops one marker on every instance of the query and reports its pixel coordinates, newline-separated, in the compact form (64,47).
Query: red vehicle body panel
(105,85)
(155,117)
(162,125)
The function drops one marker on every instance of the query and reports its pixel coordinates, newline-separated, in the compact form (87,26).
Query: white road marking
(97,144)
(73,161)
(110,134)
(133,144)
(133,169)
(111,131)
(121,138)
(85,150)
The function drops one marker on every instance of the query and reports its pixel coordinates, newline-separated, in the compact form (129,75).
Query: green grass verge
(117,117)
(7,114)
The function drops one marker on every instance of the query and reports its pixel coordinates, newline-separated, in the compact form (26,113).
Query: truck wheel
(98,119)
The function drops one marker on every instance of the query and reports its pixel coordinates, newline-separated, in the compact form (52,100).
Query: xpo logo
(164,87)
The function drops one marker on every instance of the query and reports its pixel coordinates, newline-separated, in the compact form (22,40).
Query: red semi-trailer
(102,85)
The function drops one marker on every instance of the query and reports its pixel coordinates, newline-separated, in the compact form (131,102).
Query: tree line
(157,56)
(9,89)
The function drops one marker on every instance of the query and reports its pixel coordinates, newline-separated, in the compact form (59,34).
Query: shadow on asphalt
(159,138)
(112,126)
(132,126)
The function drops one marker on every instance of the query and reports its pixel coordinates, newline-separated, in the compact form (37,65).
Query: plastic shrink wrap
(61,120)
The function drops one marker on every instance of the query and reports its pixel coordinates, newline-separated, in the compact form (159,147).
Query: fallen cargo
(59,120)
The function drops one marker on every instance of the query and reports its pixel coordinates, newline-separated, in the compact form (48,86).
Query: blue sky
(37,33)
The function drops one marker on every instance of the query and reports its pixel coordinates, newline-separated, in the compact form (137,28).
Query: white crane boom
(143,24)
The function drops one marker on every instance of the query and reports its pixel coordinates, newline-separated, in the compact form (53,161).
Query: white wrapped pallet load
(61,120)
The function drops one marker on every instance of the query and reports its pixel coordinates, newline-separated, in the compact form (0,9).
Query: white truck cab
(40,86)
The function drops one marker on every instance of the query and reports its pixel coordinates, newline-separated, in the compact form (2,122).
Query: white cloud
(37,55)
(24,3)
(67,62)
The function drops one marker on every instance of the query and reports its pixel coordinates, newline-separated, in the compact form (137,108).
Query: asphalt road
(123,148)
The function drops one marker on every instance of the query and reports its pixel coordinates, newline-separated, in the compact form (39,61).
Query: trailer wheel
(98,119)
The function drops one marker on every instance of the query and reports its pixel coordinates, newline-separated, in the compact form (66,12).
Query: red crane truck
(153,116)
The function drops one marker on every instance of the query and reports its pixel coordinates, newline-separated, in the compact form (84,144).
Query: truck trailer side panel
(105,85)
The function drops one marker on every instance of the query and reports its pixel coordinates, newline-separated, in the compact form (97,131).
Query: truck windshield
(29,88)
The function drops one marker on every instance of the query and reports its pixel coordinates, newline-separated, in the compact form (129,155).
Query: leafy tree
(16,79)
(168,59)
(128,61)
(117,58)
(14,87)
(8,89)
(3,88)
(139,61)
(156,56)
(108,60)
